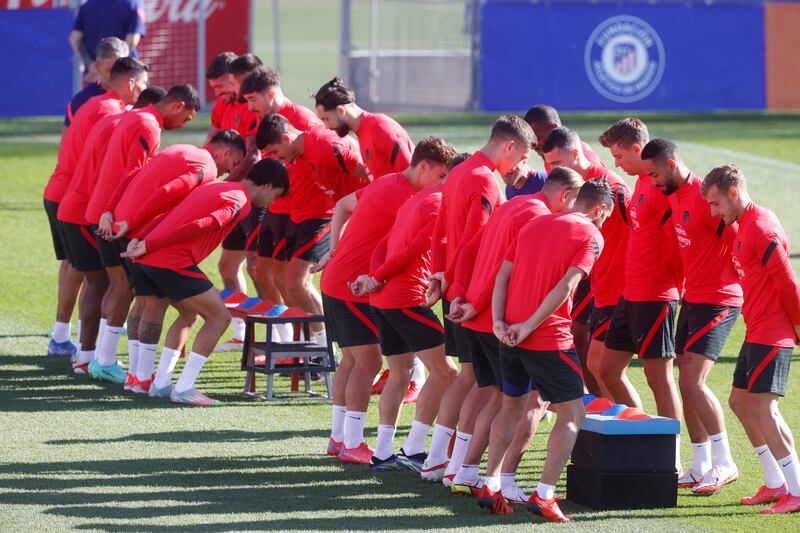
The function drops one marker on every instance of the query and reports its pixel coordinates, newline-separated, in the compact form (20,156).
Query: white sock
(415,442)
(101,330)
(191,370)
(147,361)
(78,336)
(722,449)
(545,491)
(238,326)
(84,356)
(459,451)
(107,351)
(166,366)
(282,333)
(492,483)
(773,476)
(440,441)
(354,428)
(678,467)
(418,372)
(508,481)
(384,443)
(133,356)
(467,473)
(337,422)
(791,472)
(701,457)
(61,331)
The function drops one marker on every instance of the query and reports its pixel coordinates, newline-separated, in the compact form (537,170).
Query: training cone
(615,409)
(633,413)
(598,405)
(587,398)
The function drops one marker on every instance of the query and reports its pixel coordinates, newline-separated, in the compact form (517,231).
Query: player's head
(625,139)
(457,160)
(430,161)
(268,179)
(228,149)
(239,69)
(542,119)
(725,190)
(275,136)
(108,50)
(596,201)
(259,89)
(662,162)
(331,101)
(151,95)
(562,148)
(218,78)
(562,188)
(179,106)
(514,139)
(128,78)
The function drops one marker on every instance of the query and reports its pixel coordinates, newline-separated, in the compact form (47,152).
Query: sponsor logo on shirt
(737,265)
(683,238)
(633,212)
(624,58)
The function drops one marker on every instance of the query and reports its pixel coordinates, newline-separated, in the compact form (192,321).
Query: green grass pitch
(78,455)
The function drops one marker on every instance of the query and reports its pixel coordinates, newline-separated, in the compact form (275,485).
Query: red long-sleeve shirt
(385,145)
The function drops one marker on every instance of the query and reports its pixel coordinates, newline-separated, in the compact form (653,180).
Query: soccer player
(710,307)
(469,196)
(134,142)
(772,315)
(155,190)
(168,256)
(128,80)
(644,320)
(369,214)
(476,271)
(563,148)
(530,309)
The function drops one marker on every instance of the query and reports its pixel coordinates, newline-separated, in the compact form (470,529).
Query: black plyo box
(621,490)
(625,453)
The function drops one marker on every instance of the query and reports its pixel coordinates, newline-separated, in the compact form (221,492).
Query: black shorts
(557,375)
(484,352)
(175,284)
(582,302)
(704,328)
(646,328)
(309,240)
(272,236)
(762,368)
(244,237)
(515,380)
(454,344)
(56,231)
(349,323)
(401,331)
(600,321)
(82,247)
(108,252)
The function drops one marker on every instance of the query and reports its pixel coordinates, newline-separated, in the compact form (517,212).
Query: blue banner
(36,61)
(588,56)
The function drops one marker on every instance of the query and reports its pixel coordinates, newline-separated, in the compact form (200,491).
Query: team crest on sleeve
(624,59)
(596,248)
(686,217)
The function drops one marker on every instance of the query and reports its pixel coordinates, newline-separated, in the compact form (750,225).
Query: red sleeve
(216,114)
(775,259)
(673,251)
(299,116)
(182,233)
(465,265)
(399,262)
(587,253)
(347,157)
(378,256)
(150,226)
(439,243)
(142,149)
(163,197)
(484,299)
(511,252)
(478,214)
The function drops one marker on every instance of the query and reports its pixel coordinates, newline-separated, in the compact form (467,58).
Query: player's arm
(251,157)
(78,45)
(397,263)
(479,211)
(341,214)
(775,259)
(500,296)
(435,289)
(159,202)
(184,232)
(673,251)
(135,28)
(400,152)
(465,265)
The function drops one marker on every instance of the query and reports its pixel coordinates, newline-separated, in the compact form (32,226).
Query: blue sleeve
(136,22)
(78,25)
(537,179)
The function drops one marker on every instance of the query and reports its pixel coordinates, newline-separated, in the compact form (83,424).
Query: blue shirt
(534,184)
(80,98)
(108,18)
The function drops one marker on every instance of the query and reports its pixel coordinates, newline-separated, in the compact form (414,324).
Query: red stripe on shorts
(762,365)
(300,251)
(251,238)
(576,311)
(571,363)
(278,247)
(422,320)
(602,329)
(190,273)
(705,329)
(653,329)
(88,236)
(362,317)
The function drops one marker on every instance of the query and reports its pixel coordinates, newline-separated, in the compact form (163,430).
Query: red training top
(236,116)
(332,160)
(385,144)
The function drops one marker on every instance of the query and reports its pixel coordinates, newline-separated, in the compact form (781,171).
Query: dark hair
(151,95)
(334,93)
(127,66)
(272,172)
(270,130)
(230,139)
(564,178)
(542,114)
(562,138)
(260,79)
(724,177)
(185,93)
(219,65)
(244,64)
(595,192)
(109,47)
(626,133)
(511,127)
(458,159)
(660,150)
(433,149)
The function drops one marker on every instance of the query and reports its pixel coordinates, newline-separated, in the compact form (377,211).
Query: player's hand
(467,313)
(433,293)
(517,333)
(104,228)
(522,169)
(455,309)
(359,286)
(136,249)
(322,263)
(443,285)
(373,285)
(500,328)
(122,229)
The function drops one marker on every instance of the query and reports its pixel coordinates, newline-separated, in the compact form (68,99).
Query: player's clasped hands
(322,263)
(461,311)
(105,226)
(136,249)
(365,284)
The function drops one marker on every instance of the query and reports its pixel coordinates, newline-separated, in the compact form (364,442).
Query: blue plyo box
(608,425)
